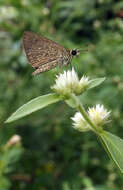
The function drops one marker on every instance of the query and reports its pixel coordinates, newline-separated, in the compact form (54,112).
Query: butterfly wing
(46,67)
(40,50)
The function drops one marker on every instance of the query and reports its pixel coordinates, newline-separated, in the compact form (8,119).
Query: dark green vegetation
(54,155)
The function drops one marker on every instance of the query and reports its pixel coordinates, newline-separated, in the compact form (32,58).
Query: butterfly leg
(70,66)
(69,63)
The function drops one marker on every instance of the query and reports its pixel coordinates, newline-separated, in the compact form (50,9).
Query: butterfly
(44,54)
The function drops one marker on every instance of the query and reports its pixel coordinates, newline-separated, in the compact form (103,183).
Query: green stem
(81,109)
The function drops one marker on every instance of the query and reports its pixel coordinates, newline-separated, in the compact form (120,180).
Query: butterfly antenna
(84,49)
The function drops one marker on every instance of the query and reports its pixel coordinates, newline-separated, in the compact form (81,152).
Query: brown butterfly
(44,54)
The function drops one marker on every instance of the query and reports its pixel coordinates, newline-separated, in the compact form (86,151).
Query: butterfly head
(74,52)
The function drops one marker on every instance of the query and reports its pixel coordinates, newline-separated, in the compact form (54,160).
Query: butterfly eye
(74,52)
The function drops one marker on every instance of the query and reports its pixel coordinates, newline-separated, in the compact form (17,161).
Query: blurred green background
(52,155)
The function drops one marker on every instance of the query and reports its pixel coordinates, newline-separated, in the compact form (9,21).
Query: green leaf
(114,147)
(33,105)
(95,82)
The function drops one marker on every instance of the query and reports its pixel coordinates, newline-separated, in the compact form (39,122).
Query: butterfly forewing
(40,50)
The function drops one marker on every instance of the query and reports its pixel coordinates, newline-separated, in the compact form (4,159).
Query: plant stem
(81,109)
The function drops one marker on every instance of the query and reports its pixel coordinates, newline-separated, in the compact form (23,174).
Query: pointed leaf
(114,147)
(95,82)
(33,105)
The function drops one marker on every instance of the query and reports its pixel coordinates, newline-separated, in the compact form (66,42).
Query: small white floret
(79,123)
(99,115)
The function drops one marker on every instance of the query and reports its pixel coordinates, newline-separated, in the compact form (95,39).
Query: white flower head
(79,123)
(99,115)
(68,82)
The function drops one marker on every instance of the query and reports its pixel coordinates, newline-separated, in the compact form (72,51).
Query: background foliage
(55,156)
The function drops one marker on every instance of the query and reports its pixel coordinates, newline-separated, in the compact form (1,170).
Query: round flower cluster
(98,115)
(68,83)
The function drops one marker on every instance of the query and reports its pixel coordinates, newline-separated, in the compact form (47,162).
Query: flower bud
(15,139)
